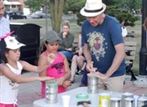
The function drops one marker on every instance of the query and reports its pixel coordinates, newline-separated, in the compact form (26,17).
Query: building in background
(14,5)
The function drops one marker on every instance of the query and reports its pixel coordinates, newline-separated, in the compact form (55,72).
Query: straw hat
(93,8)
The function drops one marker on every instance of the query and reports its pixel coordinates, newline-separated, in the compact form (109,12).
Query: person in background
(67,41)
(78,61)
(103,45)
(58,64)
(124,29)
(145,24)
(10,73)
(4,28)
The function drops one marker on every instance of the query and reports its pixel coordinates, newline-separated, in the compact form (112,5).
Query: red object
(6,35)
(8,105)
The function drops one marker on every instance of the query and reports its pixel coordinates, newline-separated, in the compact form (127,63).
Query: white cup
(66,100)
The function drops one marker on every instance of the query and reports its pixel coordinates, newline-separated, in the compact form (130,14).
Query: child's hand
(51,57)
(66,83)
(60,81)
(45,78)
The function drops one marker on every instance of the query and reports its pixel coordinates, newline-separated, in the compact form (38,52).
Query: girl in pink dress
(59,68)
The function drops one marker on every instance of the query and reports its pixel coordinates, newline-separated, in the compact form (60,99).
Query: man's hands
(93,72)
(90,67)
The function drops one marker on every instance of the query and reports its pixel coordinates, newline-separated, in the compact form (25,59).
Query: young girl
(59,68)
(10,73)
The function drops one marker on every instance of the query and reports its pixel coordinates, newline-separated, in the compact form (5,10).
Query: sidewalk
(30,92)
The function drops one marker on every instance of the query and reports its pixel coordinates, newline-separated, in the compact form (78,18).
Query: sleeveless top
(56,69)
(8,88)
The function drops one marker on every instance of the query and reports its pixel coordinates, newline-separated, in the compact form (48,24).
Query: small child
(10,73)
(59,67)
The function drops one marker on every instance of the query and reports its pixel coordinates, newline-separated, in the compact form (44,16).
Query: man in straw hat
(103,45)
(4,28)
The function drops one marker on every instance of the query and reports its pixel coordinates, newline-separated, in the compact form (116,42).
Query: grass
(75,29)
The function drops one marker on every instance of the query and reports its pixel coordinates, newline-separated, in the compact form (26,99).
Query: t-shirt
(101,40)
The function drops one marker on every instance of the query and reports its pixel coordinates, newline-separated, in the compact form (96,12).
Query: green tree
(56,9)
(73,5)
(34,4)
(122,15)
(114,8)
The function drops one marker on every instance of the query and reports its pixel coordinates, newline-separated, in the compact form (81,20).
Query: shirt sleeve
(116,32)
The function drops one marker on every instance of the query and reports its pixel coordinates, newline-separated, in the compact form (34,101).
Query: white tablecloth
(73,102)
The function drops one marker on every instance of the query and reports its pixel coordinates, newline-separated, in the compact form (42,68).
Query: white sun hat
(12,43)
(93,8)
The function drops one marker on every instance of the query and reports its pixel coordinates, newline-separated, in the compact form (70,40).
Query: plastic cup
(66,100)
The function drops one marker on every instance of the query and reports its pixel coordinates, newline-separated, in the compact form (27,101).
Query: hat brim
(16,47)
(58,41)
(92,14)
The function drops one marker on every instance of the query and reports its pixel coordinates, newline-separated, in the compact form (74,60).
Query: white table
(73,102)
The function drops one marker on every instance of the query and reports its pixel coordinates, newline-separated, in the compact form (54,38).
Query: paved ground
(30,92)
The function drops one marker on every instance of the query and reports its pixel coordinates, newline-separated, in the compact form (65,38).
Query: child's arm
(42,61)
(18,78)
(45,60)
(29,67)
(43,64)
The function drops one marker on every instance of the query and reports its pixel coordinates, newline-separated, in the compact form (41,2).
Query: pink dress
(8,105)
(56,70)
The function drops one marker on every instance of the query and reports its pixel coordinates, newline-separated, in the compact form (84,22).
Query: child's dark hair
(43,47)
(3,50)
(4,57)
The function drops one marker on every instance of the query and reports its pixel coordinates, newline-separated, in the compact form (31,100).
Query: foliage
(117,9)
(35,4)
(109,2)
(122,15)
(121,9)
(56,7)
(73,5)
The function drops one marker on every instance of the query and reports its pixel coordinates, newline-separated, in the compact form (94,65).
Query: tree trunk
(56,7)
